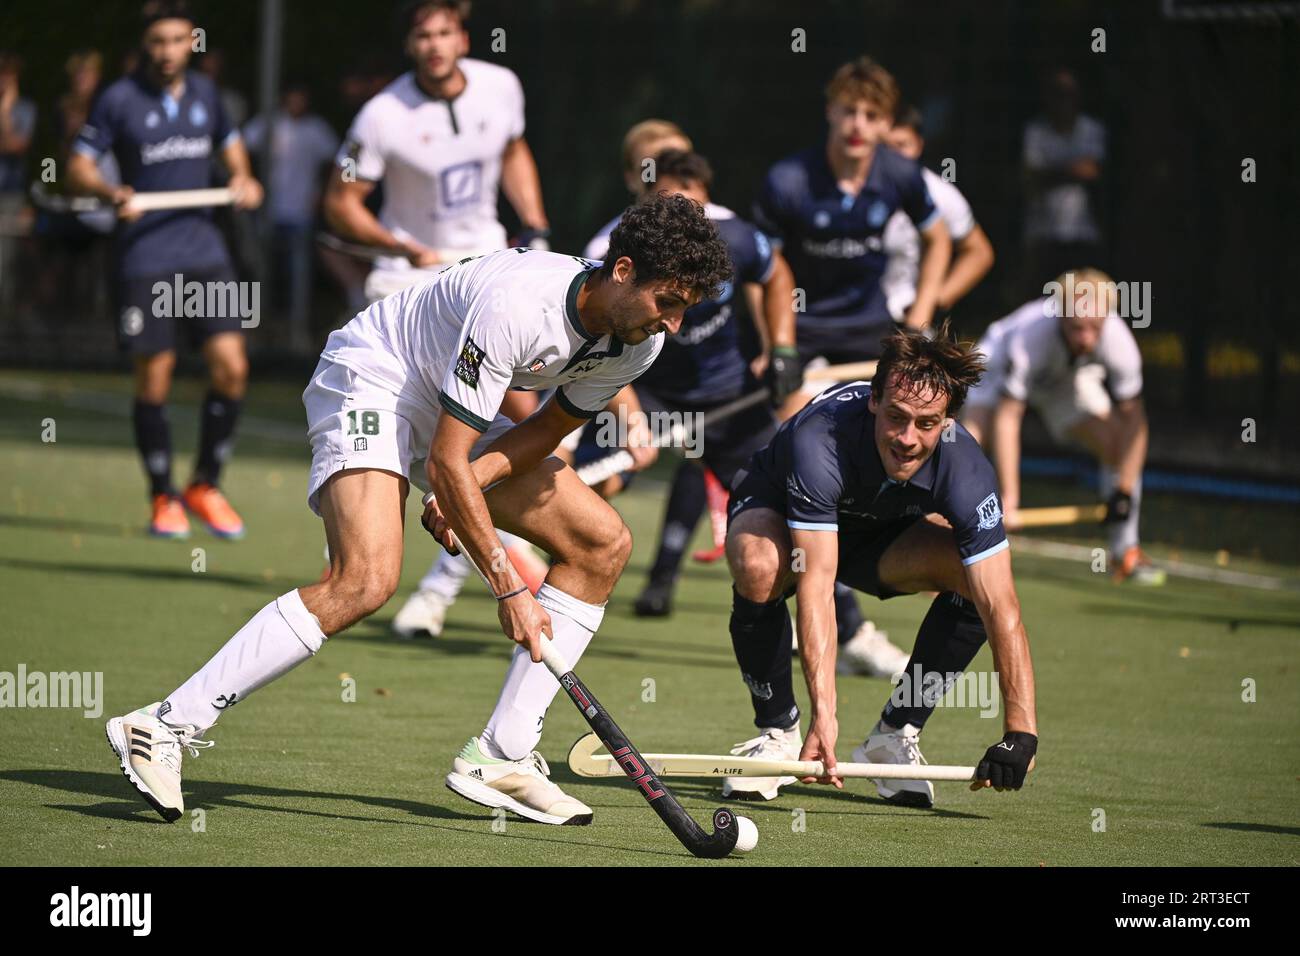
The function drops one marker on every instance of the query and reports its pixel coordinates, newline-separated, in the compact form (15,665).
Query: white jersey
(1027,355)
(500,321)
(902,242)
(439,160)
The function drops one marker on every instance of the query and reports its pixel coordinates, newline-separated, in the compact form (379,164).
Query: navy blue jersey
(708,359)
(162,144)
(833,241)
(824,465)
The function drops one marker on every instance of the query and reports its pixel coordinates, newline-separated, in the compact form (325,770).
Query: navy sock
(216,431)
(760,636)
(153,438)
(686,503)
(950,637)
(848,616)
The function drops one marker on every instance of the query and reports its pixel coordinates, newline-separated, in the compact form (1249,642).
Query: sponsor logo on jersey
(537,366)
(989,513)
(468,363)
(176,147)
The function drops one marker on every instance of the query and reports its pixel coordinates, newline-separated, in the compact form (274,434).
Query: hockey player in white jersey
(410,391)
(1072,358)
(442,138)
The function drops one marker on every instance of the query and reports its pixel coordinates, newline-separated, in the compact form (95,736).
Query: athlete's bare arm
(993,590)
(522,184)
(246,189)
(84,180)
(1004,439)
(345,211)
(972,259)
(818,552)
(778,303)
(935,256)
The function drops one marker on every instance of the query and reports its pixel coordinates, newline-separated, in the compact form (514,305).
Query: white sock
(1121,536)
(516,724)
(277,639)
(447,575)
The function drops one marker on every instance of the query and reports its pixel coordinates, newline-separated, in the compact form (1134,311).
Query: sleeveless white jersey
(504,320)
(439,160)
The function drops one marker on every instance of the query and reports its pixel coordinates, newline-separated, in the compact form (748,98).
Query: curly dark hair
(669,237)
(929,366)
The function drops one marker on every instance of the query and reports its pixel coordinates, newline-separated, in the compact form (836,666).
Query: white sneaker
(870,652)
(772,744)
(518,785)
(423,614)
(149,750)
(887,744)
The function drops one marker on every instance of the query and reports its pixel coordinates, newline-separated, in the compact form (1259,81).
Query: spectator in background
(17,123)
(301,145)
(213,65)
(1062,159)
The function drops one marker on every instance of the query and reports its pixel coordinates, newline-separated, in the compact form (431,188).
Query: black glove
(538,239)
(1118,508)
(1006,762)
(784,373)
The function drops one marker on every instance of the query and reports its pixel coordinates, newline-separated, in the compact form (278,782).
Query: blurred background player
(1077,363)
(163,123)
(703,366)
(442,138)
(972,253)
(827,207)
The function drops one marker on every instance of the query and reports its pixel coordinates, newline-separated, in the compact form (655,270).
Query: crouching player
(410,391)
(1078,364)
(863,487)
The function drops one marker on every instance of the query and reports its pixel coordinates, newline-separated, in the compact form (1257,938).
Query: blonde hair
(648,131)
(1103,287)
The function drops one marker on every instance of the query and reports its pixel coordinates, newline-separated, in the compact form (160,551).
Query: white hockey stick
(585,762)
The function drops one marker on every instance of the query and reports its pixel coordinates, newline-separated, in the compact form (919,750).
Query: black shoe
(656,600)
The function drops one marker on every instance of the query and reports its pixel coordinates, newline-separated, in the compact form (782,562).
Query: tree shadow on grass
(209,795)
(74,525)
(1255,828)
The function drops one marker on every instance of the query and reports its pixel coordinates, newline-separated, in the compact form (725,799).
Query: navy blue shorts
(839,346)
(141,331)
(862,542)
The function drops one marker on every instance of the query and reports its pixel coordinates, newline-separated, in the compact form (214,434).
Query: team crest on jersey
(989,513)
(822,219)
(198,114)
(877,214)
(537,366)
(468,363)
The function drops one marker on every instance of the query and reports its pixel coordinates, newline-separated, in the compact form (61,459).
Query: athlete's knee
(364,588)
(229,375)
(757,567)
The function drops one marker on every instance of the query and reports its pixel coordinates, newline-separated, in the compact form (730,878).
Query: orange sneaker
(717,497)
(210,506)
(169,519)
(1136,568)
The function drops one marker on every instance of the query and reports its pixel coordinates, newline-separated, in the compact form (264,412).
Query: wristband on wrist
(519,590)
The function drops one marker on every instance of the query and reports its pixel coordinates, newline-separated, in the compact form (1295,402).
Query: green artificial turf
(1139,691)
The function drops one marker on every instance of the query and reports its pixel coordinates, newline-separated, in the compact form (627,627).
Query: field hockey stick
(372,253)
(585,762)
(1062,515)
(727,827)
(144,202)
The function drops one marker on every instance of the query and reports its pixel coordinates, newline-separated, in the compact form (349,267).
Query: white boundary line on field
(1078,552)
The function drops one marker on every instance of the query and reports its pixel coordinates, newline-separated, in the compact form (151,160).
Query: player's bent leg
(218,417)
(363,523)
(590,545)
(758,553)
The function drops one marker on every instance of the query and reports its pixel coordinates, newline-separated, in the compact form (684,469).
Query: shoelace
(911,748)
(169,753)
(540,763)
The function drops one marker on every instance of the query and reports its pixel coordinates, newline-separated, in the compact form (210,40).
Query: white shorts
(354,423)
(1061,405)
